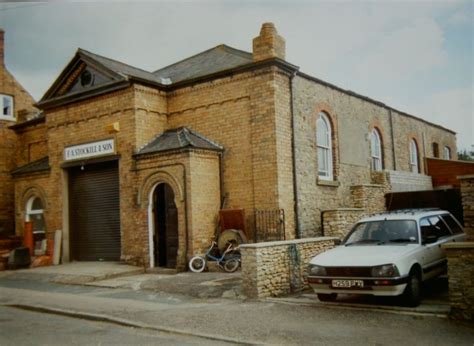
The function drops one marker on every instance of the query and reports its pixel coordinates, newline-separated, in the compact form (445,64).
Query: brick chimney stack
(2,49)
(268,44)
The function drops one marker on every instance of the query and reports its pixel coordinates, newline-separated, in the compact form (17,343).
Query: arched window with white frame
(414,166)
(447,153)
(376,150)
(34,213)
(324,145)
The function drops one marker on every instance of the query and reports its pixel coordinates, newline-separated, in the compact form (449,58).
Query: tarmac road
(20,327)
(232,320)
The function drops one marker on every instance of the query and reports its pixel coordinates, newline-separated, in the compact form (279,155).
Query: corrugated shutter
(94,212)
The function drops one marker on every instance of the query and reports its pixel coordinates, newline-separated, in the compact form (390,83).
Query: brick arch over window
(330,115)
(27,195)
(378,130)
(32,191)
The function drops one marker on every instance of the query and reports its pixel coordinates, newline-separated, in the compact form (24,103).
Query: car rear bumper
(372,286)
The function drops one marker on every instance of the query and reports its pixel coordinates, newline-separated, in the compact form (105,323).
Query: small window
(452,224)
(6,106)
(447,153)
(376,150)
(324,144)
(414,168)
(435,150)
(34,213)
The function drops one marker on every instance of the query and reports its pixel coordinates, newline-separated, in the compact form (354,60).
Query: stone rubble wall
(467,196)
(279,268)
(370,197)
(461,259)
(461,279)
(337,223)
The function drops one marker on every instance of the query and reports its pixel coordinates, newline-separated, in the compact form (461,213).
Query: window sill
(4,117)
(331,183)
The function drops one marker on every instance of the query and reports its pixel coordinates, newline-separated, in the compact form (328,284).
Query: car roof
(404,214)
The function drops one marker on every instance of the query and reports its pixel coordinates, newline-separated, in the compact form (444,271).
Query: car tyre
(327,297)
(412,293)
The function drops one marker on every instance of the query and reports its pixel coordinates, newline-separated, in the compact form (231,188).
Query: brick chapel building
(133,165)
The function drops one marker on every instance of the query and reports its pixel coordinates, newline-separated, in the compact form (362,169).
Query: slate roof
(179,138)
(213,60)
(119,67)
(32,167)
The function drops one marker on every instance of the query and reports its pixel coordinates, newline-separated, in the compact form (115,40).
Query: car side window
(427,229)
(441,229)
(455,227)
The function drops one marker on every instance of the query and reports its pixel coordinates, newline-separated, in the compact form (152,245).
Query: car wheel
(324,297)
(412,293)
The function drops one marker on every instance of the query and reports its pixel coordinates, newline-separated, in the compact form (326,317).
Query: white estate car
(388,254)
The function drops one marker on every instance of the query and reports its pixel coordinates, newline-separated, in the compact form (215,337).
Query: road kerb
(440,313)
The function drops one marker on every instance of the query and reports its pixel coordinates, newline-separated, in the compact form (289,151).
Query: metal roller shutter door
(94,212)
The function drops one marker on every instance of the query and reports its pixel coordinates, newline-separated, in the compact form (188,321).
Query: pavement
(217,284)
(210,306)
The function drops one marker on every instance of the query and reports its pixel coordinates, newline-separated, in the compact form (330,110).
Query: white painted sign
(87,150)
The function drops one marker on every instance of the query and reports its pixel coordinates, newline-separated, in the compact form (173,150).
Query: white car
(388,254)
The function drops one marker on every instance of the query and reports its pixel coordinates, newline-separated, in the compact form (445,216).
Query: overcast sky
(414,56)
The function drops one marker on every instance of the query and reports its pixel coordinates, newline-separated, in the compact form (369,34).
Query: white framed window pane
(322,133)
(322,162)
(6,106)
(324,146)
(376,150)
(37,204)
(413,157)
(447,153)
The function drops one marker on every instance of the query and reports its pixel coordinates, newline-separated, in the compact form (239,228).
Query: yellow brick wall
(8,144)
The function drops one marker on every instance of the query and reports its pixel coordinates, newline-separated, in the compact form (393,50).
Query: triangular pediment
(82,74)
(82,78)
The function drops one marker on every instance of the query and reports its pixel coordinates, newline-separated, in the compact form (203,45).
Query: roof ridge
(186,133)
(112,60)
(226,47)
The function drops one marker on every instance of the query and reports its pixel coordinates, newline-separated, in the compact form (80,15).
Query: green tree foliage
(465,155)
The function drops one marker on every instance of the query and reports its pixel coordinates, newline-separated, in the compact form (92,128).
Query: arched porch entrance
(164,227)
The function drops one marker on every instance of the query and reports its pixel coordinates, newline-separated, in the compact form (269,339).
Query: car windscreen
(383,232)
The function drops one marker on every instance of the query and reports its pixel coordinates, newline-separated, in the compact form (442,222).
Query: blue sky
(413,56)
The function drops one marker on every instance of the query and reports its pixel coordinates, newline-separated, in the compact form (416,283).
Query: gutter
(394,157)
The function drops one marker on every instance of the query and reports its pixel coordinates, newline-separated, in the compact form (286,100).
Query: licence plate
(347,283)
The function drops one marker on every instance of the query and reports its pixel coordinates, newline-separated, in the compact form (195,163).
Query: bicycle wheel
(197,264)
(231,265)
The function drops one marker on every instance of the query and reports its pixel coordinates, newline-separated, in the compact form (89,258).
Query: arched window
(447,153)
(414,157)
(34,213)
(376,150)
(324,144)
(435,149)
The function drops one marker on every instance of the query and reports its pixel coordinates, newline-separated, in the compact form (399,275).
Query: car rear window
(455,227)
